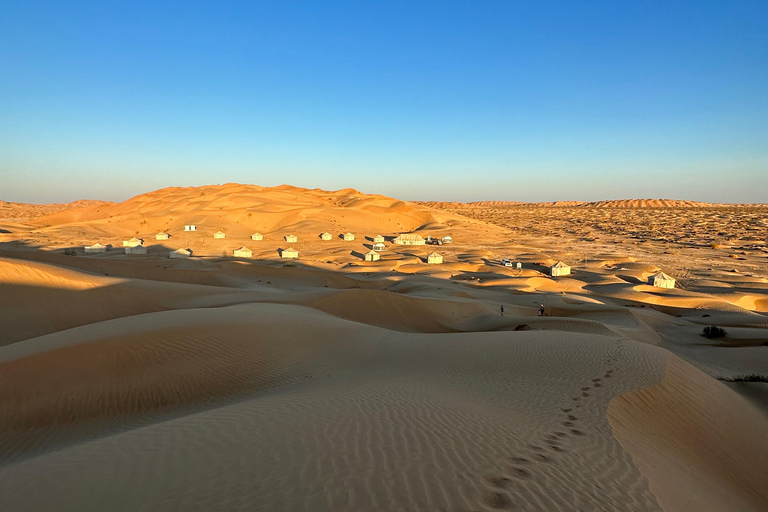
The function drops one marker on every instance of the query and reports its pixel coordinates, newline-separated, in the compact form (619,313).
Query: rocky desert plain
(137,382)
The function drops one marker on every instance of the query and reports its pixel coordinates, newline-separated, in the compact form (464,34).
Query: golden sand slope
(241,210)
(701,446)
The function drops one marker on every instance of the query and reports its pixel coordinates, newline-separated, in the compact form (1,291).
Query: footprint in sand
(496,500)
(542,458)
(566,410)
(572,417)
(596,380)
(598,385)
(577,432)
(560,434)
(498,481)
(585,394)
(521,473)
(519,460)
(535,448)
(584,389)
(567,424)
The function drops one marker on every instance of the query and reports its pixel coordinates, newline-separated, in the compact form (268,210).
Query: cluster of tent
(136,245)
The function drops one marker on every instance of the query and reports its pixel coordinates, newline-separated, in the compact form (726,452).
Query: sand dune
(26,212)
(139,382)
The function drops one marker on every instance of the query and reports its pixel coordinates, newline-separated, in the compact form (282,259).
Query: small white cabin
(559,269)
(138,249)
(372,256)
(434,258)
(133,242)
(348,237)
(219,234)
(162,236)
(257,236)
(378,239)
(180,253)
(97,247)
(290,253)
(190,227)
(379,246)
(447,240)
(661,280)
(243,252)
(326,236)
(291,239)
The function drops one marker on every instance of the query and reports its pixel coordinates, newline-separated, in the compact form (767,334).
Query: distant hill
(616,203)
(19,212)
(241,210)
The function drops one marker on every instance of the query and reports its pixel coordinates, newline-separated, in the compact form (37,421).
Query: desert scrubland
(140,382)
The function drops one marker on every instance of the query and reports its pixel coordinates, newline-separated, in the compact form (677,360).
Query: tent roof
(243,249)
(434,254)
(559,264)
(662,275)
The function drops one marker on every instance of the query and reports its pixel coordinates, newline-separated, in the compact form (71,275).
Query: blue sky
(530,101)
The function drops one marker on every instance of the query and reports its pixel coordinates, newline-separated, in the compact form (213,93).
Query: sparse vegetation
(70,252)
(714,332)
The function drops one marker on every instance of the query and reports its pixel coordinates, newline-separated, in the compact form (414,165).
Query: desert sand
(325,383)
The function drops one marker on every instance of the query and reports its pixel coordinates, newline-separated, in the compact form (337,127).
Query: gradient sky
(530,101)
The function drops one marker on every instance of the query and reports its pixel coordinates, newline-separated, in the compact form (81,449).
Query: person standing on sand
(501,309)
(541,310)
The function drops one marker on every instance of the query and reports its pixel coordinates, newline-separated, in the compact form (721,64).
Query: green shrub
(714,332)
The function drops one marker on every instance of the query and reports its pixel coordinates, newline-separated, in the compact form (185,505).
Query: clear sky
(508,100)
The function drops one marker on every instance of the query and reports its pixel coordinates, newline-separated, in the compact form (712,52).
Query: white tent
(559,269)
(133,242)
(434,258)
(162,236)
(661,280)
(180,253)
(326,236)
(257,236)
(139,249)
(348,237)
(289,253)
(379,246)
(243,253)
(190,227)
(378,239)
(372,256)
(291,239)
(409,239)
(219,234)
(97,247)
(447,240)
